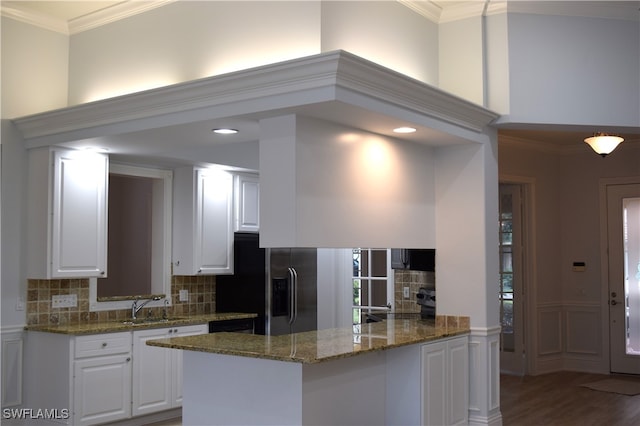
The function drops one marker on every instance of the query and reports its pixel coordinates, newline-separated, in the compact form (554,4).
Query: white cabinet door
(434,384)
(157,372)
(203,222)
(458,357)
(445,382)
(247,203)
(102,389)
(67,234)
(176,360)
(151,384)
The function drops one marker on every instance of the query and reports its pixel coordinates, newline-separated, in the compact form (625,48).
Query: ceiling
(64,13)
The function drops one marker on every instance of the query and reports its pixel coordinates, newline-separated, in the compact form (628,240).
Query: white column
(484,376)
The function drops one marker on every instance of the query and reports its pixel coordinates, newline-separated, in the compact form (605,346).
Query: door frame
(604,261)
(529,262)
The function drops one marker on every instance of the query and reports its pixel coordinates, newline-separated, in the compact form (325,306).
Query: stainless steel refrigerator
(280,285)
(292,296)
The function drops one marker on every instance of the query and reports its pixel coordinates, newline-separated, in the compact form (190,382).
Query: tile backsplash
(202,298)
(414,280)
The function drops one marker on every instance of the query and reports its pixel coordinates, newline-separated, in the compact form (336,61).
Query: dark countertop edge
(117,326)
(167,343)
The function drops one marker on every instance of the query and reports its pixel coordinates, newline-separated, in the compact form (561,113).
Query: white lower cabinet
(103,378)
(445,382)
(157,372)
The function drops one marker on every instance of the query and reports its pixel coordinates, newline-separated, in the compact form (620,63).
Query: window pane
(378,292)
(364,292)
(356,262)
(378,263)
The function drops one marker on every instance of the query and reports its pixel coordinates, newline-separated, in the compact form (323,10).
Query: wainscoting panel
(583,330)
(550,330)
(12,351)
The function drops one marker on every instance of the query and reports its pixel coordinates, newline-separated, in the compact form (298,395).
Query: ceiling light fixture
(404,130)
(603,144)
(225,131)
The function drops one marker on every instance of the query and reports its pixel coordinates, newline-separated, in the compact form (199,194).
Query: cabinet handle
(170,331)
(104,344)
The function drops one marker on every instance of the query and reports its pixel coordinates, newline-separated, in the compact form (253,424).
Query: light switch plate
(405,292)
(184,295)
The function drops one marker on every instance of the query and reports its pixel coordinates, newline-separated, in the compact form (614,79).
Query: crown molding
(622,10)
(427,9)
(41,21)
(96,19)
(336,76)
(442,11)
(114,13)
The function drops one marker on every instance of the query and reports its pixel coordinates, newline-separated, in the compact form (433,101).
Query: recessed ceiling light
(404,130)
(224,131)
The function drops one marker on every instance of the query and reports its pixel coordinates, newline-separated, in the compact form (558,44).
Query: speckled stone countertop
(124,325)
(323,345)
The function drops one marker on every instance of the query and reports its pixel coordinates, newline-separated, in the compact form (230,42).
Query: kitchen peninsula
(399,371)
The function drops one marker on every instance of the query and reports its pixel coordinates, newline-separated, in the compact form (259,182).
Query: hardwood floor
(558,400)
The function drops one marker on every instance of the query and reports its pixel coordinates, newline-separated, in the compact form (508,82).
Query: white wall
(571,70)
(461,59)
(34,69)
(381,190)
(384,32)
(466,196)
(189,40)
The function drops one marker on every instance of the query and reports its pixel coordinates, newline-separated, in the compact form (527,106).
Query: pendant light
(603,144)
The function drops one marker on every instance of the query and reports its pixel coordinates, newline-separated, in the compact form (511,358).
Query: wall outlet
(405,292)
(184,295)
(64,301)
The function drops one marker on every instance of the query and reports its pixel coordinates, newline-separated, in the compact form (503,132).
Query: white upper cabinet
(247,203)
(67,219)
(202,222)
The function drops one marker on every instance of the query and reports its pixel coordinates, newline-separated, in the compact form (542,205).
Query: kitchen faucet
(135,308)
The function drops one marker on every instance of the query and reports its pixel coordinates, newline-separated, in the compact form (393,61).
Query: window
(372,282)
(145,229)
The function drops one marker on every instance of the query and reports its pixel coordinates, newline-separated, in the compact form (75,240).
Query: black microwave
(414,259)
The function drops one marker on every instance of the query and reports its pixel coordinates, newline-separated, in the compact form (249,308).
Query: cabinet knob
(104,344)
(101,272)
(128,359)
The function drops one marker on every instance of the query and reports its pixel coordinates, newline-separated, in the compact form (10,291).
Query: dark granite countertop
(323,345)
(127,325)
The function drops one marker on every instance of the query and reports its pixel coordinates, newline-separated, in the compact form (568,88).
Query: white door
(623,234)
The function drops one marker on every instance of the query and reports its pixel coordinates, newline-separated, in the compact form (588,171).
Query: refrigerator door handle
(293,277)
(291,296)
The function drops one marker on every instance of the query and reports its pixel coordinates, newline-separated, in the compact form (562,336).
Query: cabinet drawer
(103,344)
